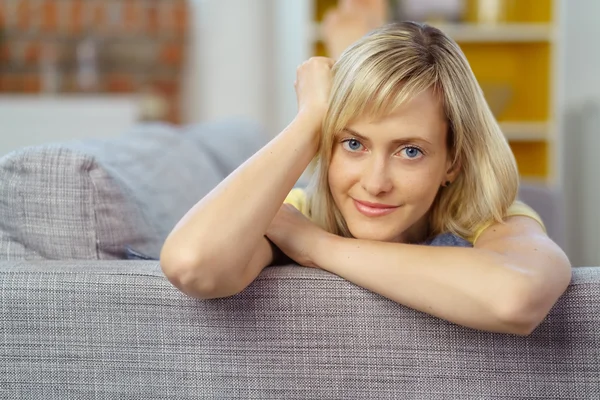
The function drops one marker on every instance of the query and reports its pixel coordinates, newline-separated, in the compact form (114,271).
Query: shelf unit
(480,33)
(134,47)
(516,53)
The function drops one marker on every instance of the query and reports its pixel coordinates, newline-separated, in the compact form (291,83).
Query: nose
(376,178)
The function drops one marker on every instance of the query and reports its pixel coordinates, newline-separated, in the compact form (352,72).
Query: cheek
(420,186)
(342,172)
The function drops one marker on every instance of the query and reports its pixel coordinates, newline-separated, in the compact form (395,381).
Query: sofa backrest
(90,329)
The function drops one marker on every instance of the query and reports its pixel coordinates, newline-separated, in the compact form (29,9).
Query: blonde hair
(390,66)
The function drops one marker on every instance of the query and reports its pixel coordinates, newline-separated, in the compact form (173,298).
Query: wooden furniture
(94,47)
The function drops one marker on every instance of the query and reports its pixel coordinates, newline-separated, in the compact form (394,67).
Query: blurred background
(93,68)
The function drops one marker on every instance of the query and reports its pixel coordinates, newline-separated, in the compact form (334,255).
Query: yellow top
(297,198)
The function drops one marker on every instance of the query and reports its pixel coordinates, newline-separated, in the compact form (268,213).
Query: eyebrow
(395,141)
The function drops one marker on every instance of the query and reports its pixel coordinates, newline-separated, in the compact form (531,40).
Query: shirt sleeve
(518,208)
(297,198)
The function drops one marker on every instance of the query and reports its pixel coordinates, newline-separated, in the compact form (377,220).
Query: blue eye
(351,145)
(411,152)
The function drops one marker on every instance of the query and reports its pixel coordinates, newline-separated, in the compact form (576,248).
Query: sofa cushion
(46,204)
(90,199)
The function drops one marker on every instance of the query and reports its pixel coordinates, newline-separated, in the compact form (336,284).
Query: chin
(374,232)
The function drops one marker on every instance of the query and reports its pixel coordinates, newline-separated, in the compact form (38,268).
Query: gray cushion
(119,330)
(229,144)
(89,199)
(47,197)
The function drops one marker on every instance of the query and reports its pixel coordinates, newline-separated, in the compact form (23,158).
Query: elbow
(520,312)
(517,325)
(199,274)
(188,274)
(529,301)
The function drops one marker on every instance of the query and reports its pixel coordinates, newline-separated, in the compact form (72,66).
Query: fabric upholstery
(229,144)
(46,204)
(106,330)
(89,199)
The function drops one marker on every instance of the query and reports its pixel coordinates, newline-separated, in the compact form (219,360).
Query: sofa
(86,312)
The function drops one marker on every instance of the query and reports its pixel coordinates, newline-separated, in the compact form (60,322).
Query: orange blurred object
(23,15)
(172,53)
(49,22)
(120,83)
(76,16)
(31,83)
(130,16)
(32,52)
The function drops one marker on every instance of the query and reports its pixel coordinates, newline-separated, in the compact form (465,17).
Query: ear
(453,168)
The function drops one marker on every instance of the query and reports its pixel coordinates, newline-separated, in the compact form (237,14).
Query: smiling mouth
(374,210)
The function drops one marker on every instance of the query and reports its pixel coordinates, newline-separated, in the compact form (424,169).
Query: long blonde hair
(391,65)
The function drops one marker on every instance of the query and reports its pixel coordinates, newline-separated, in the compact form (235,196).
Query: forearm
(467,286)
(224,228)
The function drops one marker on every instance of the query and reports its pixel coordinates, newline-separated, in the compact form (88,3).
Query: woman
(406,150)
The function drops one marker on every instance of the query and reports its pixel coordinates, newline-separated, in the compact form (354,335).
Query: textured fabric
(229,143)
(168,171)
(119,330)
(161,174)
(448,239)
(46,204)
(89,199)
(297,198)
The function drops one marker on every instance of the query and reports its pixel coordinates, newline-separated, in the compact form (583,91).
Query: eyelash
(345,141)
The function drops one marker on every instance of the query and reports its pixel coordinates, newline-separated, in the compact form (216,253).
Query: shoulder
(297,198)
(518,208)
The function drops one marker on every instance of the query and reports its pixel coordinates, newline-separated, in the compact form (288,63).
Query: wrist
(324,249)
(312,117)
(310,122)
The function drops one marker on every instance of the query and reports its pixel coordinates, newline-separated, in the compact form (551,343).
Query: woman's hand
(296,235)
(350,21)
(313,87)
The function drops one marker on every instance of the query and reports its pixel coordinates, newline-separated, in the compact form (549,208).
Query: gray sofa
(81,319)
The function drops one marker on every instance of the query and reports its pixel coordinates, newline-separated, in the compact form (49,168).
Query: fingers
(329,62)
(375,11)
(326,60)
(348,5)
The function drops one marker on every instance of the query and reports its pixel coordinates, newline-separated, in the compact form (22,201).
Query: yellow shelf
(532,159)
(511,10)
(504,32)
(515,78)
(478,33)
(517,131)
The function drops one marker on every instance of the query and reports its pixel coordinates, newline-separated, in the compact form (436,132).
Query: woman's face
(384,174)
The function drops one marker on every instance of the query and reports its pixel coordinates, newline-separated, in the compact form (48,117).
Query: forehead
(422,115)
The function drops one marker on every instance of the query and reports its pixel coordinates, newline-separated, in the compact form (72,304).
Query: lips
(373,209)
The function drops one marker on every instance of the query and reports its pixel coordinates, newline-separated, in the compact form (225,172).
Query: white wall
(34,120)
(243,58)
(228,71)
(292,46)
(578,105)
